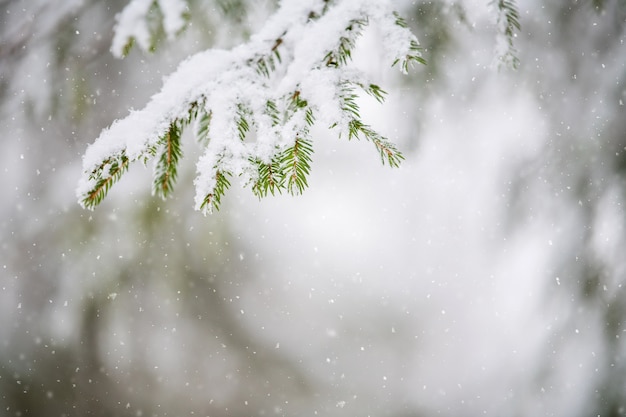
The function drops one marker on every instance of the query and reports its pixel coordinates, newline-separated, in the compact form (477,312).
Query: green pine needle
(511,16)
(213,200)
(414,56)
(265,64)
(309,118)
(356,129)
(272,111)
(376,92)
(388,151)
(241,120)
(348,97)
(128,46)
(415,51)
(297,102)
(271,178)
(288,169)
(296,164)
(170,153)
(340,56)
(115,167)
(202,127)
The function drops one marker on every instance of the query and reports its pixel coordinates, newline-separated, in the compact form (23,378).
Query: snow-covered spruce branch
(135,24)
(508,23)
(253,106)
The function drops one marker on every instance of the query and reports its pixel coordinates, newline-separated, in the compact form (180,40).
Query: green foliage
(511,14)
(343,53)
(271,178)
(202,127)
(297,165)
(154,23)
(272,111)
(288,169)
(234,9)
(128,46)
(376,92)
(105,176)
(357,129)
(414,54)
(388,152)
(265,138)
(168,155)
(509,22)
(242,115)
(442,24)
(214,199)
(266,64)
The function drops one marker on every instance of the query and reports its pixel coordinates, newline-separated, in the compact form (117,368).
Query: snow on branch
(137,23)
(253,106)
(508,23)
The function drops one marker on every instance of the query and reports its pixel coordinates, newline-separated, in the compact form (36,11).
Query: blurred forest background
(484,277)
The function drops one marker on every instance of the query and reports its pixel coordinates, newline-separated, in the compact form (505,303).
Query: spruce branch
(203,123)
(166,168)
(388,151)
(297,102)
(270,179)
(130,42)
(142,22)
(296,164)
(271,110)
(343,53)
(266,64)
(376,92)
(508,22)
(103,179)
(412,52)
(356,128)
(242,114)
(254,106)
(213,200)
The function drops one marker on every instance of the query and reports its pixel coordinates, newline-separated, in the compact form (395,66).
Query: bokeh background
(484,277)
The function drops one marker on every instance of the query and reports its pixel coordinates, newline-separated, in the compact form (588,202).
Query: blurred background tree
(485,277)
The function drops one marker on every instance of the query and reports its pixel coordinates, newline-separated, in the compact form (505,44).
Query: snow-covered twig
(295,72)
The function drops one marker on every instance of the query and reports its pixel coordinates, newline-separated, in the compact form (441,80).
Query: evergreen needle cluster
(508,22)
(254,106)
